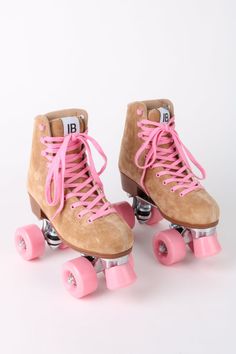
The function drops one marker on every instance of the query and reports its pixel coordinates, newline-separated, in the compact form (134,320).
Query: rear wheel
(30,242)
(155,217)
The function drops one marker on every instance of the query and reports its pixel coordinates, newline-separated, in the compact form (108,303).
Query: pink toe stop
(125,210)
(206,246)
(120,276)
(139,111)
(131,260)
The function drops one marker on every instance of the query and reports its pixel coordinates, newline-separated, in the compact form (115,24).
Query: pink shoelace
(64,170)
(173,159)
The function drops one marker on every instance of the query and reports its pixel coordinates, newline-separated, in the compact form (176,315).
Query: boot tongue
(160,115)
(67,125)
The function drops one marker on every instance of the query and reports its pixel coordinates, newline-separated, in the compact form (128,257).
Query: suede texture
(108,236)
(196,209)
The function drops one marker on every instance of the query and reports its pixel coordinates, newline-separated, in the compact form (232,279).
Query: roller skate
(156,172)
(66,193)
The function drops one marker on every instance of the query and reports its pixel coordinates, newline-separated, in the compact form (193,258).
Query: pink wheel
(206,246)
(79,277)
(120,276)
(125,210)
(63,246)
(29,241)
(169,247)
(155,218)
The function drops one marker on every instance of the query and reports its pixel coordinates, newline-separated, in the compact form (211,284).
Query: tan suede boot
(66,192)
(155,170)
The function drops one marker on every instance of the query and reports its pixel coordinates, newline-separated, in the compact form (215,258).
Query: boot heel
(133,189)
(36,208)
(128,185)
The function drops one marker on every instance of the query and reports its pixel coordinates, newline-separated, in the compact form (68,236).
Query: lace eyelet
(164,183)
(72,206)
(157,175)
(139,111)
(79,216)
(42,127)
(172,190)
(181,194)
(89,221)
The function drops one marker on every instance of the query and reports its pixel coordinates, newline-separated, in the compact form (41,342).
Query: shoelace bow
(64,170)
(173,159)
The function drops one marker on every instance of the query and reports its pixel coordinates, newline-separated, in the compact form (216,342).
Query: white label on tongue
(165,115)
(71,125)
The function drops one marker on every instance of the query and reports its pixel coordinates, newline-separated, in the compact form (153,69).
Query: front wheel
(79,277)
(169,247)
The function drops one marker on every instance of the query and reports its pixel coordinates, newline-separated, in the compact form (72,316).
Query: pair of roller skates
(67,194)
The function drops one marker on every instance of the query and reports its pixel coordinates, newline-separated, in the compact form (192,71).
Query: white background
(100,55)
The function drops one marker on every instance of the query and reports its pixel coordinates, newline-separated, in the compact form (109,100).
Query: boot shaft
(131,142)
(53,124)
